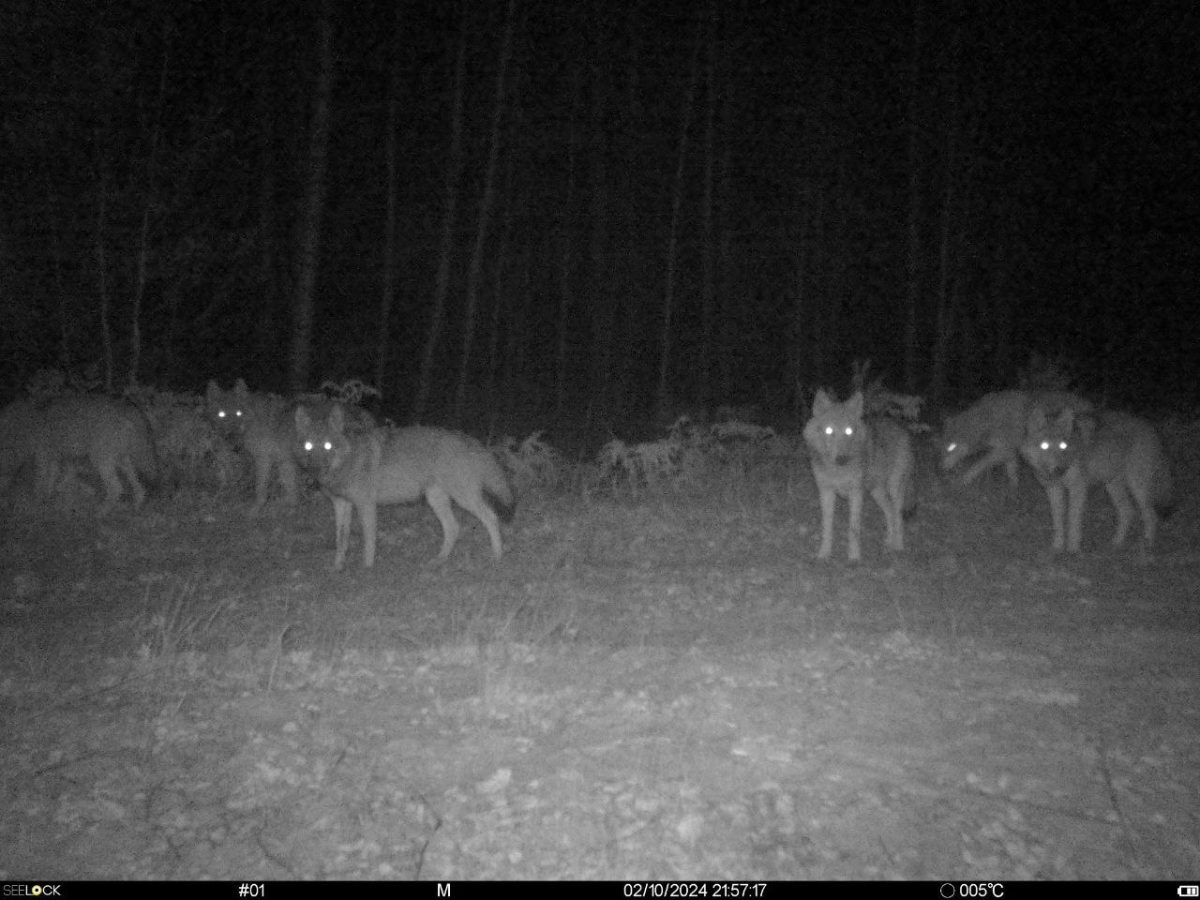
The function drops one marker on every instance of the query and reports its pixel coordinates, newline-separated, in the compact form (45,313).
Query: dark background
(1026,180)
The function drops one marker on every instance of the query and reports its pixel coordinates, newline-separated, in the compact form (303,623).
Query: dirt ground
(672,687)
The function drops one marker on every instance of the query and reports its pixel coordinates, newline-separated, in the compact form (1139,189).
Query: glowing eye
(829,429)
(950,448)
(308,445)
(1044,445)
(238,413)
(220,413)
(849,431)
(1062,445)
(328,446)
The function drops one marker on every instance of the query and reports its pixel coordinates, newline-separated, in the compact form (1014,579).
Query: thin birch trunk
(488,201)
(303,303)
(662,395)
(441,286)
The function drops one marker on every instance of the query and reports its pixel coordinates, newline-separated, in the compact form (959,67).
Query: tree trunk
(566,237)
(602,284)
(517,343)
(801,342)
(488,201)
(663,397)
(493,360)
(945,313)
(150,187)
(947,261)
(446,251)
(273,285)
(314,200)
(611,327)
(139,294)
(815,314)
(60,288)
(912,264)
(102,277)
(390,249)
(722,357)
(708,249)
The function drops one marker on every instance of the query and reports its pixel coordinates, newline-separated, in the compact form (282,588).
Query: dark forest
(509,214)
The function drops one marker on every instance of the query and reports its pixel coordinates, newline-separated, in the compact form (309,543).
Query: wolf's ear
(214,390)
(337,418)
(855,404)
(303,422)
(821,402)
(239,387)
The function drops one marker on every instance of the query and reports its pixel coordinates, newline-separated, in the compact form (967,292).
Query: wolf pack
(358,464)
(854,450)
(1069,444)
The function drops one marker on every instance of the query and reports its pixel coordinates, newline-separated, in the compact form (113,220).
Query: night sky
(1027,178)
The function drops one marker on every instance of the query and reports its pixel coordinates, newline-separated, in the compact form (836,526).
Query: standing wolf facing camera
(1070,452)
(852,454)
(265,425)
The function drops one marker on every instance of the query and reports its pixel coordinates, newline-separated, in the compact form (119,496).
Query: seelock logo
(31,890)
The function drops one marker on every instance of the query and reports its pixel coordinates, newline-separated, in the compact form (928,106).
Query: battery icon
(1188,890)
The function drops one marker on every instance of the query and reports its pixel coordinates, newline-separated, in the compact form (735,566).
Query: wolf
(851,454)
(1069,452)
(401,465)
(994,426)
(265,425)
(113,435)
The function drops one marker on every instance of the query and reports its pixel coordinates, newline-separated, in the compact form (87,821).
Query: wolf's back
(102,428)
(1000,415)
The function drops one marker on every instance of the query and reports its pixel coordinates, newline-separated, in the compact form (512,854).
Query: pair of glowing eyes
(1044,445)
(829,431)
(309,446)
(221,414)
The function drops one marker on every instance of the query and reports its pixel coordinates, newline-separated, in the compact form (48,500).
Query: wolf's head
(322,444)
(1053,441)
(835,433)
(953,445)
(228,411)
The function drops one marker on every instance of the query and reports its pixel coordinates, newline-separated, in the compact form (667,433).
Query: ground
(664,687)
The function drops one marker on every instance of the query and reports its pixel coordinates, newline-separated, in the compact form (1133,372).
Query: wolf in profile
(1069,452)
(265,425)
(400,465)
(852,454)
(113,435)
(994,427)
